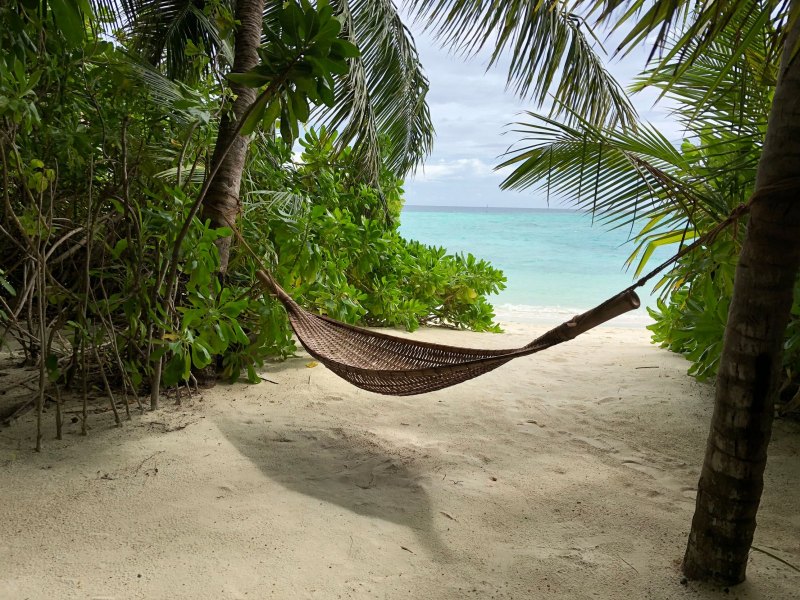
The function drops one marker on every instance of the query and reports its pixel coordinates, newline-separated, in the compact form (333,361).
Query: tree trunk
(221,203)
(731,481)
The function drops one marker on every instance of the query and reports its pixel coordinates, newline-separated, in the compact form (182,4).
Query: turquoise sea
(556,262)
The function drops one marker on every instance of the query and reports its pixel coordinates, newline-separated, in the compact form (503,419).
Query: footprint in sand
(647,469)
(595,444)
(607,399)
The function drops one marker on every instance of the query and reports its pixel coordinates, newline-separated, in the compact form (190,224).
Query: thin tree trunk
(221,204)
(731,481)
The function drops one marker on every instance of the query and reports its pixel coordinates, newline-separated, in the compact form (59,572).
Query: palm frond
(622,178)
(196,175)
(270,202)
(728,84)
(181,101)
(159,31)
(381,108)
(550,50)
(695,24)
(618,176)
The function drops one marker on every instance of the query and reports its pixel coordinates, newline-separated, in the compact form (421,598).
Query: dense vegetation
(103,157)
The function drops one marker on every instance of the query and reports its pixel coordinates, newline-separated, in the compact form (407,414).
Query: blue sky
(471,110)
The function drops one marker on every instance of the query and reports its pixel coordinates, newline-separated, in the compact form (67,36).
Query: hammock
(397,366)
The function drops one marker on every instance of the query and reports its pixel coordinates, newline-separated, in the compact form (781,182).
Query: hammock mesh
(397,366)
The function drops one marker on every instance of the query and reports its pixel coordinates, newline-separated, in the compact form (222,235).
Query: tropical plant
(300,56)
(329,243)
(635,176)
(550,48)
(381,109)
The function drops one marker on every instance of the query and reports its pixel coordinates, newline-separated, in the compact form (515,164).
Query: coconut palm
(732,477)
(381,107)
(380,110)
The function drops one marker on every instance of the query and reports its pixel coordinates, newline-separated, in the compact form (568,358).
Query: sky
(471,110)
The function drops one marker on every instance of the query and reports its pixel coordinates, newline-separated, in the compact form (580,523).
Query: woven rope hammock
(396,366)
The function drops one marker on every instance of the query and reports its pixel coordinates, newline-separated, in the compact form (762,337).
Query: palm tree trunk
(731,481)
(221,204)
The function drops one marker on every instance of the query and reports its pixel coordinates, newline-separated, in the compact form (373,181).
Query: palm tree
(731,482)
(550,47)
(221,203)
(631,175)
(381,108)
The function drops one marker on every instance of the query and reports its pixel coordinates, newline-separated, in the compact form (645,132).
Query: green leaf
(271,113)
(300,107)
(119,248)
(255,115)
(241,336)
(232,309)
(69,19)
(251,79)
(286,125)
(325,93)
(200,354)
(252,376)
(4,283)
(176,369)
(345,49)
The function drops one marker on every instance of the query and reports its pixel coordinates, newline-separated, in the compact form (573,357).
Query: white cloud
(452,169)
(472,109)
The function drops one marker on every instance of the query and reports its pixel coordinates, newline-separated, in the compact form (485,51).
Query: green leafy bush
(692,320)
(335,245)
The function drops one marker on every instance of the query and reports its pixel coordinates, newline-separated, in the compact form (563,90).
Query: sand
(570,474)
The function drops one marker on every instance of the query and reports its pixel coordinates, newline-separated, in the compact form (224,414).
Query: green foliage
(298,63)
(336,252)
(102,160)
(668,195)
(381,108)
(550,50)
(692,321)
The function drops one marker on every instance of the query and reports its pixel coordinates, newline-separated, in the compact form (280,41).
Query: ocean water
(556,262)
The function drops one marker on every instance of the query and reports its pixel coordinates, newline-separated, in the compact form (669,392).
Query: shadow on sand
(351,469)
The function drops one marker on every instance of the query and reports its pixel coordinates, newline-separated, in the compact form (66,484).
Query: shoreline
(569,474)
(552,316)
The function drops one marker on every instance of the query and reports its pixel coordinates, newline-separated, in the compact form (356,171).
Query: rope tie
(788,185)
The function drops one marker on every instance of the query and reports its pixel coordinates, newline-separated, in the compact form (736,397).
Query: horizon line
(489,206)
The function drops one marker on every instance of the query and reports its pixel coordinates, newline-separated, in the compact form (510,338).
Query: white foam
(526,313)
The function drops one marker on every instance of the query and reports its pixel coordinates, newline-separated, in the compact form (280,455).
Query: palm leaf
(381,107)
(173,97)
(729,79)
(274,202)
(550,50)
(695,24)
(617,175)
(159,32)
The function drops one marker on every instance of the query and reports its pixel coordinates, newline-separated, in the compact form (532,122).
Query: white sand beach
(566,475)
